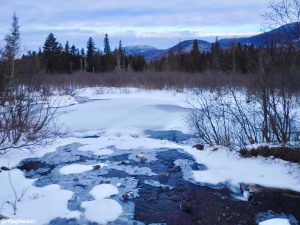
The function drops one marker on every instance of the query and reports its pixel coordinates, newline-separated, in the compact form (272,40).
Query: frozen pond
(129,159)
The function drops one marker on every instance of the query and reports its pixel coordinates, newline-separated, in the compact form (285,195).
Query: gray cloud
(132,20)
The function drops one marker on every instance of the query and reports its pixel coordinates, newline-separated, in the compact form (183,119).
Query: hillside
(282,34)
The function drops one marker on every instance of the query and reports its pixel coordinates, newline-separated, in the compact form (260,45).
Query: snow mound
(275,221)
(78,168)
(104,191)
(102,210)
(35,201)
(226,166)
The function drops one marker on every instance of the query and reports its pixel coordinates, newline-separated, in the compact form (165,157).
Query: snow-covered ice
(276,221)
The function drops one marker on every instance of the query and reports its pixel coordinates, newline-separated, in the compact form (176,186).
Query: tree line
(56,58)
(241,59)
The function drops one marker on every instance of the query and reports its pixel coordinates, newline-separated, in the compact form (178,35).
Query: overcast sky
(160,23)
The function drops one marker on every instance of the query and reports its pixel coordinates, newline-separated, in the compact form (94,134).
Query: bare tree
(26,119)
(209,120)
(26,116)
(229,119)
(284,13)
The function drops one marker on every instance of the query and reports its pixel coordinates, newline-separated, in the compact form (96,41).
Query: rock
(164,174)
(140,155)
(186,206)
(4,168)
(152,198)
(97,167)
(215,148)
(246,191)
(143,159)
(199,147)
(127,196)
(3,217)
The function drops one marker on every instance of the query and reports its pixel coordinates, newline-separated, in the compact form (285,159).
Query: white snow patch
(276,221)
(104,191)
(62,100)
(78,168)
(102,210)
(226,166)
(40,204)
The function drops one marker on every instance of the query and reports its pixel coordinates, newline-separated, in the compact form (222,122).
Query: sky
(159,23)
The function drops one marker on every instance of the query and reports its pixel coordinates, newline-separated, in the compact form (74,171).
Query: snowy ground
(76,177)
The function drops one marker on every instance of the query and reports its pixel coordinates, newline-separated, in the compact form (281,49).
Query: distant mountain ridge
(282,34)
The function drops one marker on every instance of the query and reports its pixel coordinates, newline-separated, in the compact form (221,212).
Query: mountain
(283,35)
(149,52)
(187,46)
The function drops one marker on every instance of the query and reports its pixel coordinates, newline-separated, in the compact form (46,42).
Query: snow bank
(275,222)
(102,210)
(62,100)
(39,204)
(225,166)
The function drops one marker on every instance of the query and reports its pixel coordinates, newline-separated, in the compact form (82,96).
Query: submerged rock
(97,167)
(143,159)
(4,168)
(186,206)
(127,196)
(199,146)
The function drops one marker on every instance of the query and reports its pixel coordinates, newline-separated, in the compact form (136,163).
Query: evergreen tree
(195,57)
(12,44)
(67,47)
(89,56)
(51,51)
(121,49)
(106,45)
(195,51)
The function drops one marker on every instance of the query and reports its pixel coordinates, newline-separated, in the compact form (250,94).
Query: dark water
(163,190)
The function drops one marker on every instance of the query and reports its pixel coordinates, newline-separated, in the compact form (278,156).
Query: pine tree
(82,59)
(51,52)
(90,53)
(120,49)
(195,50)
(106,45)
(13,44)
(67,47)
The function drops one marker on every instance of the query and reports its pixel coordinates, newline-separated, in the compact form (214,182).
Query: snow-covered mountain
(149,52)
(283,34)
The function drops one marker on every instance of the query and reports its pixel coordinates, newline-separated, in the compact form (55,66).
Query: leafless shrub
(209,120)
(26,118)
(148,80)
(17,197)
(231,119)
